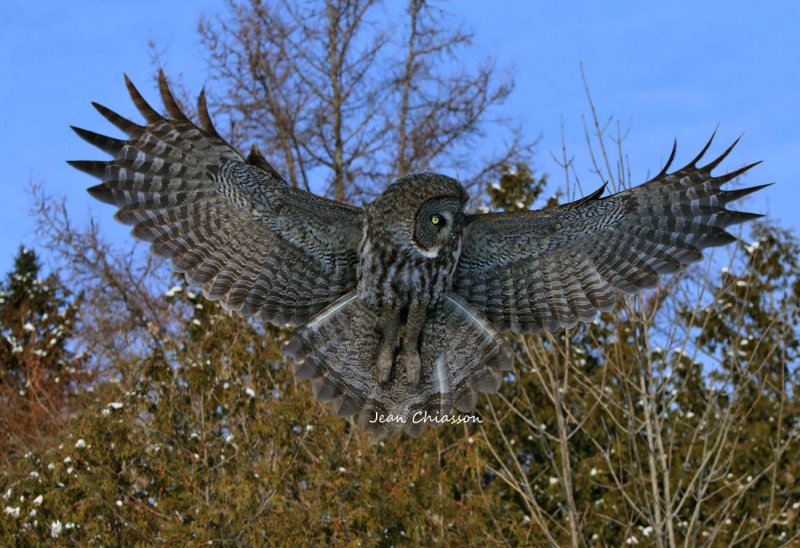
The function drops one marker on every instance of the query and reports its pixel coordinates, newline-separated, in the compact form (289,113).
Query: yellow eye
(435,219)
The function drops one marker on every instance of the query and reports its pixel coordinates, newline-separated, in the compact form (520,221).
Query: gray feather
(537,270)
(224,222)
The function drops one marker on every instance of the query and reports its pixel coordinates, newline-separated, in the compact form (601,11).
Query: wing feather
(540,270)
(230,224)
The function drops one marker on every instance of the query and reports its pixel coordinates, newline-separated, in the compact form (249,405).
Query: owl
(399,306)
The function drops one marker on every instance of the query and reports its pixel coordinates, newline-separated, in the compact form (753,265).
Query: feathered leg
(390,322)
(409,355)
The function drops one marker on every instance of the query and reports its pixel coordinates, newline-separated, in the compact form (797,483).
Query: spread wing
(540,270)
(230,224)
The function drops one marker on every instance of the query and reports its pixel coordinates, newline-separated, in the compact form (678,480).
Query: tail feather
(462,355)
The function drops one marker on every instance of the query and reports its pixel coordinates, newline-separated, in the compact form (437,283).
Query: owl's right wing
(529,271)
(229,224)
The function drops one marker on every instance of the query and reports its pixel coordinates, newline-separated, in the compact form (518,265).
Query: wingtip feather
(722,179)
(94,168)
(205,117)
(120,122)
(731,195)
(669,160)
(103,193)
(143,106)
(172,106)
(714,163)
(103,142)
(702,153)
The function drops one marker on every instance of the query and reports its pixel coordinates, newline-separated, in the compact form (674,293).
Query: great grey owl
(399,305)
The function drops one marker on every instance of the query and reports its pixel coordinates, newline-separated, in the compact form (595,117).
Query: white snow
(174,290)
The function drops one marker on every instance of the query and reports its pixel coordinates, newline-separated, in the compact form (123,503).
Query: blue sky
(673,69)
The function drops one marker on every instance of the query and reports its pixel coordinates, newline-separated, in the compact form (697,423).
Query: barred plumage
(398,305)
(253,242)
(540,270)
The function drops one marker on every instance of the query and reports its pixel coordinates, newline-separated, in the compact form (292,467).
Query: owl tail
(462,355)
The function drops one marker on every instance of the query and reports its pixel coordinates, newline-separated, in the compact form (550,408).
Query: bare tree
(640,427)
(331,94)
(124,314)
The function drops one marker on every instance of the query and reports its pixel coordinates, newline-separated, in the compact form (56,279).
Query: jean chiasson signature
(423,416)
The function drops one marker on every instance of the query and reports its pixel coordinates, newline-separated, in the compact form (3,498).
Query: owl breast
(389,272)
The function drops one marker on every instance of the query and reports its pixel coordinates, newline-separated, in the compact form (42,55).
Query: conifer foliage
(39,375)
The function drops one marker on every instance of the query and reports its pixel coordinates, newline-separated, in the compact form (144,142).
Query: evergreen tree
(39,375)
(216,442)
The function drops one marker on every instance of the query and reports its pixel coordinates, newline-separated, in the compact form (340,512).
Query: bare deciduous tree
(639,427)
(124,314)
(331,94)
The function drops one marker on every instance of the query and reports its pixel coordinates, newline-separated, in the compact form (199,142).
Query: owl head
(420,212)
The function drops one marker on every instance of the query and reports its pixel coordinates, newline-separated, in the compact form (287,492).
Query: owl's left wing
(230,224)
(529,271)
